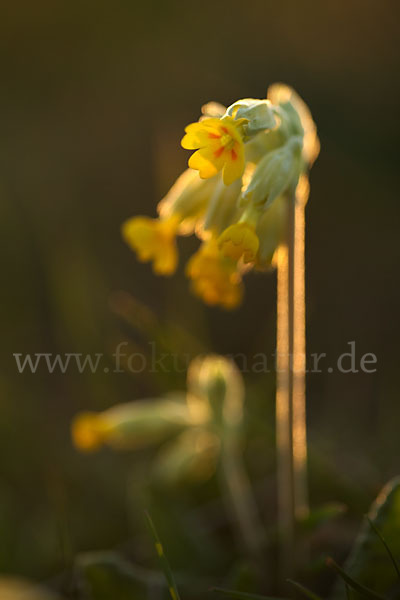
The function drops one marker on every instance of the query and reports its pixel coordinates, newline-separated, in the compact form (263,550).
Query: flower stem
(240,497)
(290,386)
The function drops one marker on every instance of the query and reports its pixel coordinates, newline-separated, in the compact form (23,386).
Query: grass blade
(303,590)
(388,550)
(354,585)
(242,595)
(169,576)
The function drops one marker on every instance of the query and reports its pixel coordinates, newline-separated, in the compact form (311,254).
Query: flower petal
(234,165)
(199,135)
(239,241)
(206,162)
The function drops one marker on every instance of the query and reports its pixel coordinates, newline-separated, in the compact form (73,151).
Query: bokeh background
(94,99)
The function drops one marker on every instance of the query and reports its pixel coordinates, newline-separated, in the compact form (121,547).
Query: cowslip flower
(153,240)
(239,241)
(249,159)
(214,277)
(219,147)
(131,425)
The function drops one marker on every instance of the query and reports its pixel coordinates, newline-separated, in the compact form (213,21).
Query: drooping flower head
(247,164)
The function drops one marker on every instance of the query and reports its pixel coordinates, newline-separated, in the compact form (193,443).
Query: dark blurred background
(94,99)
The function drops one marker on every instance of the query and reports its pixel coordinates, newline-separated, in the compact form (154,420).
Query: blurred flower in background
(198,434)
(190,428)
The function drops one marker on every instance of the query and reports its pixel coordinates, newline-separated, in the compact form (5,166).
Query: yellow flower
(219,145)
(88,431)
(131,425)
(239,241)
(153,239)
(215,278)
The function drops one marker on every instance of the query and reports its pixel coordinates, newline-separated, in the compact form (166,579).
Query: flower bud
(223,208)
(270,230)
(218,380)
(212,110)
(187,200)
(285,96)
(278,171)
(259,114)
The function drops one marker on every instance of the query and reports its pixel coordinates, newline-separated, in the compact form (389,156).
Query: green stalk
(240,497)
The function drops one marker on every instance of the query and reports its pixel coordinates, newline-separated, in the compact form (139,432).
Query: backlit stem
(290,387)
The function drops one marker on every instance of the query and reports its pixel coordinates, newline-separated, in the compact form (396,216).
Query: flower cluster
(192,428)
(247,162)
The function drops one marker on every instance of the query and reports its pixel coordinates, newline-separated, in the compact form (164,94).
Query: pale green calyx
(259,114)
(276,173)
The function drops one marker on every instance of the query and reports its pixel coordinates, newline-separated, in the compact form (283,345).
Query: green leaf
(369,563)
(388,550)
(352,584)
(105,575)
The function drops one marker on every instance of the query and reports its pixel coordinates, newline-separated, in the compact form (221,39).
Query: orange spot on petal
(218,152)
(214,136)
(224,129)
(233,154)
